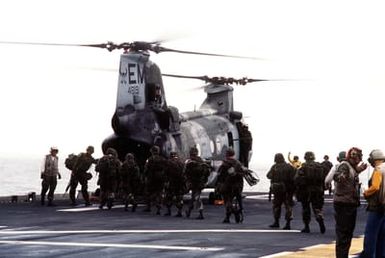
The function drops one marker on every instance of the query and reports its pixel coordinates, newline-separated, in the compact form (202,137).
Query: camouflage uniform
(309,181)
(175,186)
(130,181)
(79,175)
(281,175)
(196,173)
(230,186)
(154,177)
(108,167)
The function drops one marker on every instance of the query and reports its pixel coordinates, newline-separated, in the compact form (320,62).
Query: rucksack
(70,161)
(103,164)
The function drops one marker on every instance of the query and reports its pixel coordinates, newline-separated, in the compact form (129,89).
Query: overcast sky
(331,52)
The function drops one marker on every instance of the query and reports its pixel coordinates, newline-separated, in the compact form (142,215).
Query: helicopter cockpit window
(154,94)
(150,91)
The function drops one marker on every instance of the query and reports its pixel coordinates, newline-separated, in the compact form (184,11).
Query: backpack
(70,161)
(103,165)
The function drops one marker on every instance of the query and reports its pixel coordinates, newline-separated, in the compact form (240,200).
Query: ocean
(19,176)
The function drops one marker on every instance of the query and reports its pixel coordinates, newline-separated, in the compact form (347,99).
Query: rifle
(67,188)
(270,193)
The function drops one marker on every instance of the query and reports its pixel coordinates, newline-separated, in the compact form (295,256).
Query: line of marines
(305,181)
(164,181)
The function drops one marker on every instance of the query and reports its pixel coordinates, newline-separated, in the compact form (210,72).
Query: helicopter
(142,117)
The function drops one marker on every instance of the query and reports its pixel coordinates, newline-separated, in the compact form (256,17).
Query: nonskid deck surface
(28,229)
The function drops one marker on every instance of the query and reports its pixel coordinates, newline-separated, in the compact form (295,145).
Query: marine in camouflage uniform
(130,181)
(108,167)
(175,186)
(230,186)
(282,175)
(309,181)
(154,179)
(79,175)
(196,172)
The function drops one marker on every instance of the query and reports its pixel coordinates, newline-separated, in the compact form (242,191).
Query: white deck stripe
(163,247)
(281,254)
(90,208)
(146,231)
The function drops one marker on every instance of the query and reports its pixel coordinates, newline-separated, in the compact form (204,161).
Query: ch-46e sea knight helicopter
(142,117)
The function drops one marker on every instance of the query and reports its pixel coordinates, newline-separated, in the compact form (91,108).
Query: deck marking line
(281,254)
(164,247)
(14,232)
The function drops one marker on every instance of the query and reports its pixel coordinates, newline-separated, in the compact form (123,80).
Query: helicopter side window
(150,91)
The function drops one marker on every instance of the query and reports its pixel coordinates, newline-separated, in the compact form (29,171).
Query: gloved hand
(361,167)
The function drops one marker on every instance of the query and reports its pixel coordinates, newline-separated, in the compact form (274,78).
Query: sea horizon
(21,176)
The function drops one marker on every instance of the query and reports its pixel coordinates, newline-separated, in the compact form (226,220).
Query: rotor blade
(38,43)
(109,45)
(159,49)
(220,80)
(204,78)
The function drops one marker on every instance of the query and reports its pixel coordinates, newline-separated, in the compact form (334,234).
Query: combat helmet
(341,156)
(193,151)
(155,150)
(278,158)
(112,151)
(375,155)
(130,156)
(90,149)
(309,155)
(230,153)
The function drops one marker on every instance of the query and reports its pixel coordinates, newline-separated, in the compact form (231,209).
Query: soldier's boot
(148,208)
(133,209)
(42,201)
(200,216)
(126,206)
(227,218)
(73,200)
(110,203)
(188,212)
(240,215)
(236,216)
(158,210)
(50,202)
(102,203)
(179,213)
(321,225)
(87,200)
(287,226)
(306,229)
(275,224)
(168,212)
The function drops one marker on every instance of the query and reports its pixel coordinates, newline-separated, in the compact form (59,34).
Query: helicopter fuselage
(142,118)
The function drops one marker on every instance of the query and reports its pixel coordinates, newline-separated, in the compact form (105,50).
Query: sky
(329,56)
